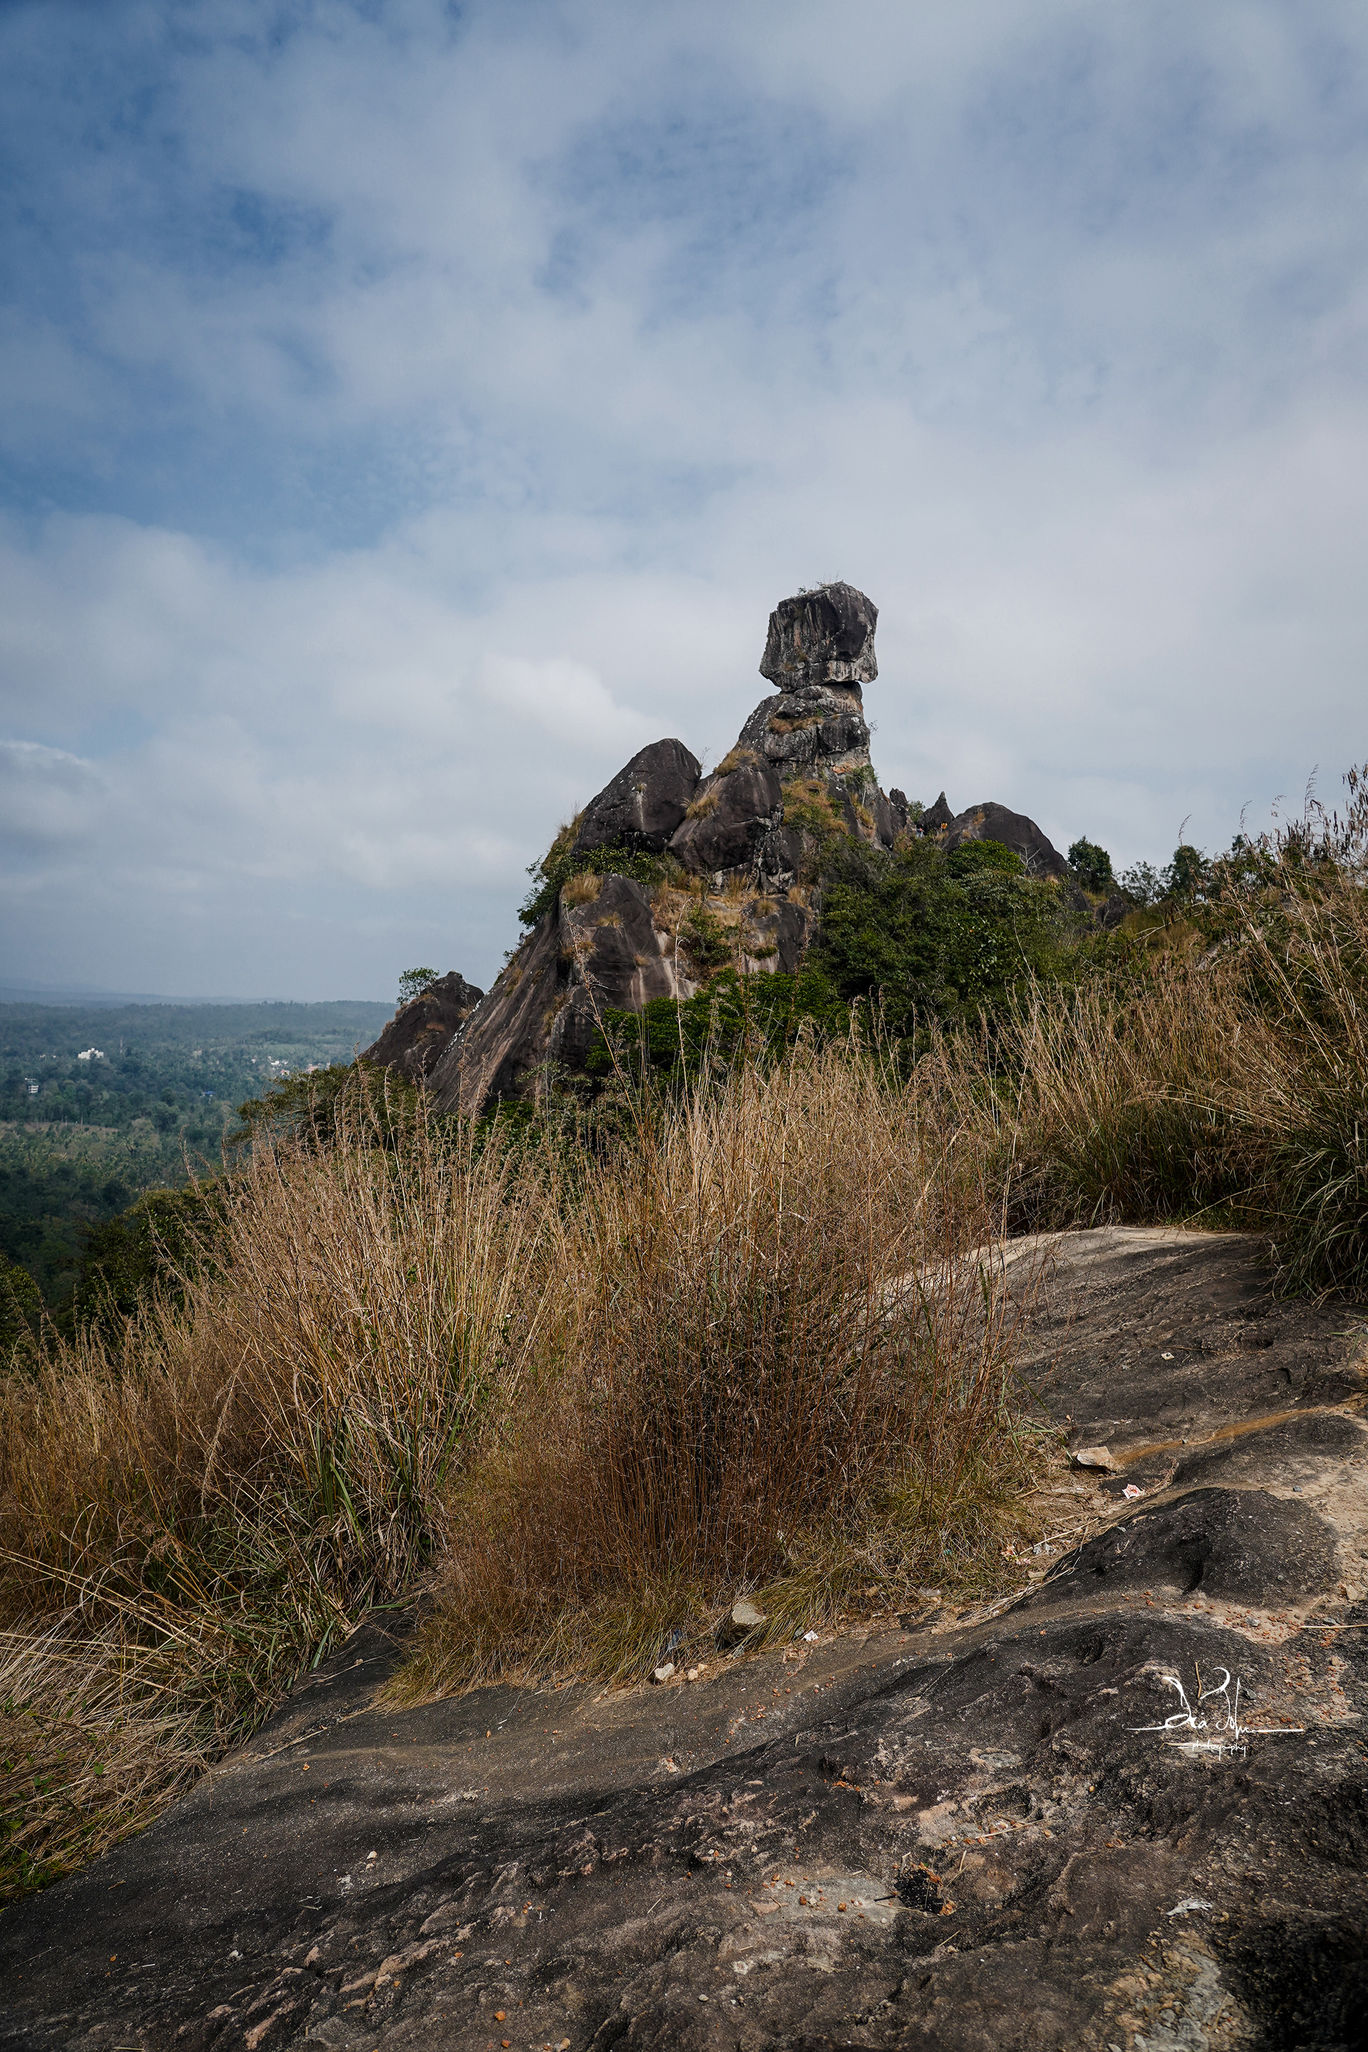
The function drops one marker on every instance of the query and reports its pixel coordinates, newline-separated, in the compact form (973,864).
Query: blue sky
(407,410)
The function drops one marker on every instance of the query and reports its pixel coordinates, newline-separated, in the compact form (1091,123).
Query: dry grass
(582,889)
(89,1750)
(1117,1101)
(778,1376)
(1228,1087)
(206,1510)
(738,758)
(594,1390)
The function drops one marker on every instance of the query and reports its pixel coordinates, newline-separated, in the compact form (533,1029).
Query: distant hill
(102,1098)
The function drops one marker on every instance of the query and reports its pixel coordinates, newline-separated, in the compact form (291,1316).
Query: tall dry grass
(779,1374)
(201,1511)
(1223,1081)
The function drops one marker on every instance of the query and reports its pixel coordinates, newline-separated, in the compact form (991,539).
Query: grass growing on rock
(777,1375)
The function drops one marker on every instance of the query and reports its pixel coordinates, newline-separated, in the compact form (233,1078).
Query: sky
(408,410)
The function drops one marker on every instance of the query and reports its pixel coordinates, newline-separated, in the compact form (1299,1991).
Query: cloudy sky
(409,409)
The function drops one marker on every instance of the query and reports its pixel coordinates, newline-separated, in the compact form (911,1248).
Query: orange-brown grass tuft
(778,1374)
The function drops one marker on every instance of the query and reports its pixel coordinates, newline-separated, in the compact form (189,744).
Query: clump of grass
(776,1361)
(1117,1099)
(1219,1079)
(89,1751)
(206,1506)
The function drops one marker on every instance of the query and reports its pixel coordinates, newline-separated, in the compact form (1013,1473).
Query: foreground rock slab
(1047,1823)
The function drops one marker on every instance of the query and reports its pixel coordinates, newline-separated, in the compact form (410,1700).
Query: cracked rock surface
(980,1832)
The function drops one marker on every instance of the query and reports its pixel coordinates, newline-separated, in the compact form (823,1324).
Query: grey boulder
(421,1031)
(644,803)
(822,637)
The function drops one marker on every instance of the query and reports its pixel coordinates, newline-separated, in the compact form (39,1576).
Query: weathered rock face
(600,951)
(822,637)
(644,803)
(989,822)
(733,813)
(820,731)
(421,1031)
(971,1834)
(937,818)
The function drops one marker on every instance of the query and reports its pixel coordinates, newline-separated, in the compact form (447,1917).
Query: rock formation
(989,822)
(421,1031)
(667,870)
(822,637)
(644,803)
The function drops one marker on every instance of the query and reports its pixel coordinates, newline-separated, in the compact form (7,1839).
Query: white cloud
(48,798)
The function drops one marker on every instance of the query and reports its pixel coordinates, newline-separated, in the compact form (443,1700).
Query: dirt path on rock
(983,1834)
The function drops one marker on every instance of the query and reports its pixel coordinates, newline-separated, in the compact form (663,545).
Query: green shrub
(736,1019)
(558,865)
(144,1251)
(933,936)
(21,1311)
(708,943)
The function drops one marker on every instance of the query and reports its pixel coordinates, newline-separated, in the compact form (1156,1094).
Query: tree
(21,1312)
(414,982)
(1092,867)
(926,934)
(1189,872)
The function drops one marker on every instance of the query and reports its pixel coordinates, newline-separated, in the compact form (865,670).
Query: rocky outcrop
(599,948)
(992,1826)
(748,836)
(643,804)
(989,822)
(421,1031)
(739,853)
(734,813)
(937,818)
(822,637)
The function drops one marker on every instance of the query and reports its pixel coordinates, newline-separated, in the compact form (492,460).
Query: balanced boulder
(822,637)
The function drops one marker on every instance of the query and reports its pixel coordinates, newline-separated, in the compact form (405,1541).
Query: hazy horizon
(61,994)
(409,411)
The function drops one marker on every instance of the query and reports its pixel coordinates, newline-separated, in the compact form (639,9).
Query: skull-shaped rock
(822,637)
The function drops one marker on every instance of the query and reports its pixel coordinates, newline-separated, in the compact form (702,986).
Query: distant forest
(99,1103)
